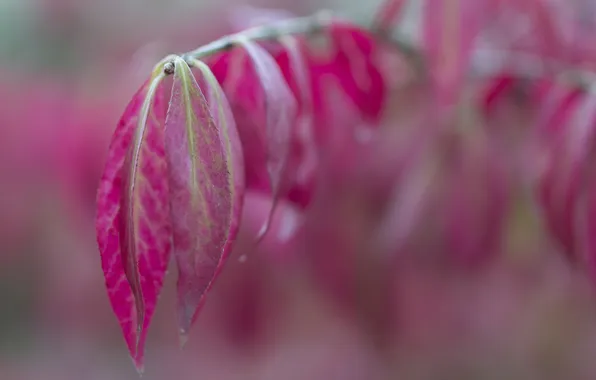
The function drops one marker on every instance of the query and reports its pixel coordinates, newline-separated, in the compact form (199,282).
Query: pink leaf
(293,65)
(234,72)
(303,159)
(133,228)
(207,184)
(351,60)
(450,28)
(568,129)
(280,111)
(357,51)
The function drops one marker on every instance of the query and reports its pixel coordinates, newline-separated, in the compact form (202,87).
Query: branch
(310,26)
(485,62)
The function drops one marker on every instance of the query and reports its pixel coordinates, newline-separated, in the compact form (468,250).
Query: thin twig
(313,25)
(303,25)
(485,62)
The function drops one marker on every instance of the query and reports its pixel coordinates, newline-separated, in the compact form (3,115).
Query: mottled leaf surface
(567,129)
(133,228)
(206,185)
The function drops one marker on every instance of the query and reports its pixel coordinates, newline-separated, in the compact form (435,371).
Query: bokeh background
(67,70)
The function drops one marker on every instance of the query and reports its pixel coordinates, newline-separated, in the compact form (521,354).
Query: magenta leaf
(280,112)
(206,185)
(303,160)
(295,71)
(133,228)
(352,61)
(356,65)
(241,88)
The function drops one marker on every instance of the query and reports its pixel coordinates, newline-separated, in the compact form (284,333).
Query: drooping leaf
(279,109)
(206,185)
(567,131)
(352,61)
(293,65)
(556,194)
(233,70)
(303,158)
(348,56)
(450,28)
(133,217)
(355,64)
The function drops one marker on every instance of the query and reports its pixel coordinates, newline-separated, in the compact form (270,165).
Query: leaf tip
(182,338)
(139,365)
(263,231)
(137,345)
(185,320)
